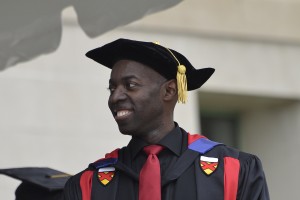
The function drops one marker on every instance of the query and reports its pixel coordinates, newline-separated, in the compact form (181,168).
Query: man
(162,161)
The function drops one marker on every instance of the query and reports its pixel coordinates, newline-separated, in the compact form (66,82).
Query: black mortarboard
(38,183)
(163,60)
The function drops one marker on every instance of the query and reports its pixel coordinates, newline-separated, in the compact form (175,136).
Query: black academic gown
(182,176)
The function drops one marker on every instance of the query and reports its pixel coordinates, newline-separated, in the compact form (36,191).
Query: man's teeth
(122,113)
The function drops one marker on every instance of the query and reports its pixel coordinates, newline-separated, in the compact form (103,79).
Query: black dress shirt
(174,143)
(181,173)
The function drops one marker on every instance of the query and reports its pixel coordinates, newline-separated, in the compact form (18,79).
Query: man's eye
(131,85)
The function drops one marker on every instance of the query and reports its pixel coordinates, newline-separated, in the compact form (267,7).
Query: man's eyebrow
(125,78)
(129,77)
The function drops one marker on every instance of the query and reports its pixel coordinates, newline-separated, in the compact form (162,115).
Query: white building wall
(273,134)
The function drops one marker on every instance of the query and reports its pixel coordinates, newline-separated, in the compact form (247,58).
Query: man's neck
(156,135)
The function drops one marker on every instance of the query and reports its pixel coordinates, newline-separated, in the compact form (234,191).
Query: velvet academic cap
(38,183)
(161,59)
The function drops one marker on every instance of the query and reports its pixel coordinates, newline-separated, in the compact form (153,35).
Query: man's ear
(170,90)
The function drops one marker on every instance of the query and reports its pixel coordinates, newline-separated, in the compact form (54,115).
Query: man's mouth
(122,114)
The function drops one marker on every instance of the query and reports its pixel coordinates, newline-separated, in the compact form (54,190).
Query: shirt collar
(172,141)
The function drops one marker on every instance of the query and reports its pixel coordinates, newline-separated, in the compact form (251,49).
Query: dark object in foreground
(38,182)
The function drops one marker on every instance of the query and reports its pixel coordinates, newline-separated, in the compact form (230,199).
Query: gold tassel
(181,84)
(181,79)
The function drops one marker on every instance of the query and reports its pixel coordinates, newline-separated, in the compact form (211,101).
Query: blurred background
(53,100)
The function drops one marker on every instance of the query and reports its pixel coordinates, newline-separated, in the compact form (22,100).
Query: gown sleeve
(252,181)
(72,190)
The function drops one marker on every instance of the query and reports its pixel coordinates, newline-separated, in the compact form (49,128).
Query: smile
(122,114)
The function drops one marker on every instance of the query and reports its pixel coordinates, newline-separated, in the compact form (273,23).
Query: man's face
(136,98)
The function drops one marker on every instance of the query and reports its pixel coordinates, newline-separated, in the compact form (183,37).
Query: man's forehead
(133,69)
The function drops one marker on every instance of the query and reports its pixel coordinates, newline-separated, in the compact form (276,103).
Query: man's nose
(118,94)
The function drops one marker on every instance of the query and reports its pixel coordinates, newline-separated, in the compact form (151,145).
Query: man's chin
(126,130)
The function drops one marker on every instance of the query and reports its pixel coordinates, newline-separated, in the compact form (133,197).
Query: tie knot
(153,149)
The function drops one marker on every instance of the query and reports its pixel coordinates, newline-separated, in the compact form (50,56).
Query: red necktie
(150,180)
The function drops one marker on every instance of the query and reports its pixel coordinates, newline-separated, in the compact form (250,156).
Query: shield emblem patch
(105,175)
(208,164)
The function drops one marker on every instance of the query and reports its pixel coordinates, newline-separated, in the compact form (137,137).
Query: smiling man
(162,161)
(135,101)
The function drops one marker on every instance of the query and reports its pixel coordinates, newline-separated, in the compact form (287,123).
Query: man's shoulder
(200,143)
(204,145)
(108,160)
(220,150)
(85,175)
